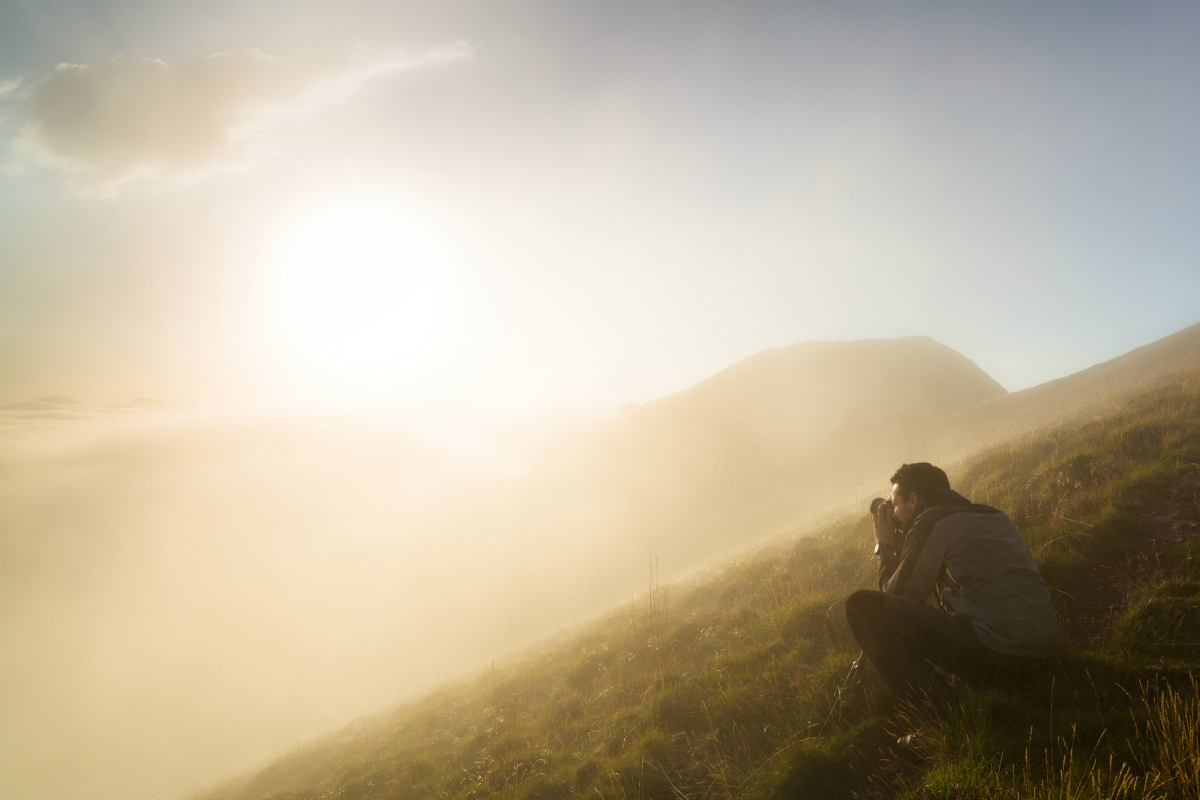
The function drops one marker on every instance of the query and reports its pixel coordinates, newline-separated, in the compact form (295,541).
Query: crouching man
(996,613)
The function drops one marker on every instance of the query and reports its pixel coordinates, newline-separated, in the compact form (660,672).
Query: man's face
(906,507)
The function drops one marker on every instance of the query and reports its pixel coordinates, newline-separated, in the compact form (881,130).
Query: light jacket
(973,555)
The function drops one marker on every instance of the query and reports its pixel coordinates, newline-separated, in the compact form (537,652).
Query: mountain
(1092,391)
(767,447)
(781,435)
(739,686)
(51,403)
(763,447)
(59,402)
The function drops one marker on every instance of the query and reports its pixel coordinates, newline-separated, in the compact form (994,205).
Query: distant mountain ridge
(775,434)
(759,449)
(1091,390)
(765,447)
(56,402)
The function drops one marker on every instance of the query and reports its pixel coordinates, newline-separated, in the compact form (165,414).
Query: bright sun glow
(361,306)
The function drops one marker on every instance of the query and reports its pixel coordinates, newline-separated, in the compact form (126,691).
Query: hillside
(725,688)
(766,448)
(1089,391)
(781,440)
(768,444)
(770,439)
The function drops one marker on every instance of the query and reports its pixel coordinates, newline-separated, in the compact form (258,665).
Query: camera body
(881,503)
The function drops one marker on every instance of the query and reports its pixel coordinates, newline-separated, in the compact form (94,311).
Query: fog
(183,595)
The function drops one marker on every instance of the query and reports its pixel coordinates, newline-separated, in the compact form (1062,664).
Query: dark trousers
(904,639)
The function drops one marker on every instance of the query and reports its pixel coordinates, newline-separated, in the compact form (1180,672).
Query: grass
(727,690)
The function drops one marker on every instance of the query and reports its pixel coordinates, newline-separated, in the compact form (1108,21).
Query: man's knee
(863,607)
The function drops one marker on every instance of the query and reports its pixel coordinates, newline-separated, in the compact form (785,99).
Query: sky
(579,204)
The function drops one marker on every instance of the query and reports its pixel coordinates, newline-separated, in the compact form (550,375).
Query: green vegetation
(730,689)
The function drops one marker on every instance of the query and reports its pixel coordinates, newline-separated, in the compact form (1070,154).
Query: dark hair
(923,478)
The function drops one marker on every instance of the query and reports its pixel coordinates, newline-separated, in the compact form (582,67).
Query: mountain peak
(58,400)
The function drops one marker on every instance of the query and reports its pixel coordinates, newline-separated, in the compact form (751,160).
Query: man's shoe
(909,744)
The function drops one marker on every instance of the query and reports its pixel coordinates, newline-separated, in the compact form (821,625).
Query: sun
(359,302)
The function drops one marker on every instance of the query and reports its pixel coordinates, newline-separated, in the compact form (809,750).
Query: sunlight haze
(360,308)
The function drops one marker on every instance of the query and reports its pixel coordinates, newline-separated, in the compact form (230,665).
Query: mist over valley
(195,594)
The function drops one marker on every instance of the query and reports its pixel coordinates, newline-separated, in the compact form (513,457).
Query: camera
(880,503)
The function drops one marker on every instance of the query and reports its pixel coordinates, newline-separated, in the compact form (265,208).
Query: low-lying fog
(184,596)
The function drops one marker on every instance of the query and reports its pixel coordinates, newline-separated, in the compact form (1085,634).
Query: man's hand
(885,525)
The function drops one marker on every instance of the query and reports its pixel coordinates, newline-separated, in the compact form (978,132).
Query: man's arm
(888,562)
(932,555)
(885,544)
(914,571)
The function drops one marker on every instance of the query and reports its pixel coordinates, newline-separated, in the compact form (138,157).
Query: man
(996,613)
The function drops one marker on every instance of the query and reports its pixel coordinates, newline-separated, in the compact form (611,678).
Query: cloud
(131,118)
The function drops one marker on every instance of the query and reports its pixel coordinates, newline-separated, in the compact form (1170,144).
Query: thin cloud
(131,118)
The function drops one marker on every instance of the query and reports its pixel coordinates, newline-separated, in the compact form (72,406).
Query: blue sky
(623,198)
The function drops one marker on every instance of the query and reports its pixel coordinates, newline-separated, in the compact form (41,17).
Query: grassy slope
(1066,399)
(727,690)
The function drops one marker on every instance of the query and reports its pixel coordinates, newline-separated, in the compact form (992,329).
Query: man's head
(913,485)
